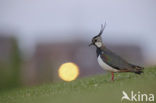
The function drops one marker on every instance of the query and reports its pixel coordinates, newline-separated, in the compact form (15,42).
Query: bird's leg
(112,76)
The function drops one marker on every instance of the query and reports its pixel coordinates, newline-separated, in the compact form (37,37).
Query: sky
(128,21)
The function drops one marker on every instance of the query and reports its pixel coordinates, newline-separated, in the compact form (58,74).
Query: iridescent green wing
(114,60)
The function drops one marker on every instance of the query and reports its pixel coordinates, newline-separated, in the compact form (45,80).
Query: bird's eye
(95,40)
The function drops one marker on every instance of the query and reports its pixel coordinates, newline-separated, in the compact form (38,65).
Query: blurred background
(37,36)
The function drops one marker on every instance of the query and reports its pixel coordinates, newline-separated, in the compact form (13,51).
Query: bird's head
(97,40)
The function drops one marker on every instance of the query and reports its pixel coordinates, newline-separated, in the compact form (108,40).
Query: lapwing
(110,61)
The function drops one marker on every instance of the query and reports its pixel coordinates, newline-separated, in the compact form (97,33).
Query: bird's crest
(102,29)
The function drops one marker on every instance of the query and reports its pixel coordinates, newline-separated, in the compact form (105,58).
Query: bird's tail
(138,69)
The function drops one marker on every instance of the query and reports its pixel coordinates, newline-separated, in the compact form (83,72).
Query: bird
(109,60)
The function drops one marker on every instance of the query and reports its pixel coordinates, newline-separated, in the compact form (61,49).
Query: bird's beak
(90,44)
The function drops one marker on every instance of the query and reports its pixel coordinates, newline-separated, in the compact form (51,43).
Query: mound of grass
(93,89)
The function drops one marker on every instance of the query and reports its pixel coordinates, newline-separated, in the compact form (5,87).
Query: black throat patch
(98,51)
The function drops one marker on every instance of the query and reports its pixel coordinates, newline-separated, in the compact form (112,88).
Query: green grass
(95,89)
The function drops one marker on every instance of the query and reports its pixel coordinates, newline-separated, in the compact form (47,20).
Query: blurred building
(49,56)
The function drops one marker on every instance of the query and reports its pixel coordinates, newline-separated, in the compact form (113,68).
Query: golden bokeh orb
(68,71)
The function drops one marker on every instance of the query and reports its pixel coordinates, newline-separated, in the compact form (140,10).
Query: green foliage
(98,89)
(15,64)
(10,67)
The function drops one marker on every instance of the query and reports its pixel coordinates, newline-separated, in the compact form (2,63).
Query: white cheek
(98,44)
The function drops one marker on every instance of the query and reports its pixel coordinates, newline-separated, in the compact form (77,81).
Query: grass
(93,89)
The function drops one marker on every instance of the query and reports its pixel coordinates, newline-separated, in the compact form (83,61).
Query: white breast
(105,66)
